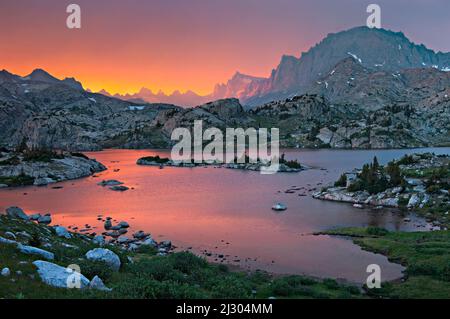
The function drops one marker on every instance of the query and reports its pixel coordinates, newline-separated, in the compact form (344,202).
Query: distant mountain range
(381,92)
(374,49)
(239,86)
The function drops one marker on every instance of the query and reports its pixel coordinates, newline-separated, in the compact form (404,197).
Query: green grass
(16,181)
(14,160)
(426,256)
(178,275)
(40,155)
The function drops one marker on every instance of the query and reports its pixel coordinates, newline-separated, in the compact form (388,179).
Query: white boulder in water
(279,207)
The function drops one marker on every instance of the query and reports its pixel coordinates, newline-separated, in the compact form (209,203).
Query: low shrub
(377,231)
(90,269)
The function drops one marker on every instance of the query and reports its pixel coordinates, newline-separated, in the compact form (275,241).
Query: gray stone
(140,235)
(414,181)
(35,217)
(36,251)
(166,244)
(43,181)
(6,272)
(16,212)
(99,240)
(122,240)
(62,232)
(23,235)
(397,190)
(149,242)
(413,201)
(97,284)
(120,188)
(10,235)
(123,225)
(133,247)
(110,182)
(7,241)
(108,224)
(57,276)
(105,255)
(46,219)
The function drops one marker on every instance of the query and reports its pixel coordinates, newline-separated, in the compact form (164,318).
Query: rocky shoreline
(286,167)
(41,168)
(423,186)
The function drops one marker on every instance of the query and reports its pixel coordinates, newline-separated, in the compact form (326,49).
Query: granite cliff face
(374,49)
(354,107)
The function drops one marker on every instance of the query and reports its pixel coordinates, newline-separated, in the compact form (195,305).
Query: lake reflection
(229,211)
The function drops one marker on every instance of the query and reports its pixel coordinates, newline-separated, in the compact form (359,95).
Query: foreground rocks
(28,250)
(16,212)
(106,256)
(50,265)
(57,276)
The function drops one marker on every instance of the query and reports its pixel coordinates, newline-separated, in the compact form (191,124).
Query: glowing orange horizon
(183,45)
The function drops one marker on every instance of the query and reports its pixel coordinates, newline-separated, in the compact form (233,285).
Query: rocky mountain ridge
(373,49)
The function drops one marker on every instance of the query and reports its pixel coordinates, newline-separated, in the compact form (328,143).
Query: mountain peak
(42,76)
(373,49)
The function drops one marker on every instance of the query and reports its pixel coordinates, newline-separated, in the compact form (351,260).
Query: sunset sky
(189,44)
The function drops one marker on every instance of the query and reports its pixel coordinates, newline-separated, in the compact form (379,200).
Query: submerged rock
(110,182)
(108,224)
(120,188)
(123,225)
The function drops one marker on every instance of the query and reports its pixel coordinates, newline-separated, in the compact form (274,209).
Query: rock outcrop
(17,170)
(57,276)
(106,256)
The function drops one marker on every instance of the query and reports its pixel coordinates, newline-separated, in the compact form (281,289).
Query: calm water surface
(229,211)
